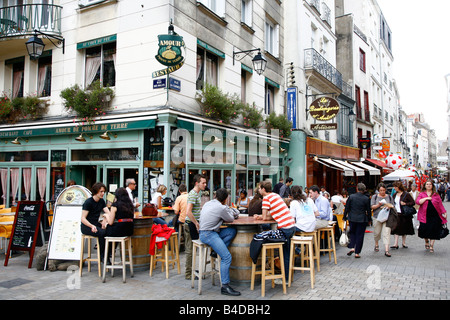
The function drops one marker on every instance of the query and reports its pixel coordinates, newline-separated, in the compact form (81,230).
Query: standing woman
(404,225)
(431,215)
(381,231)
(358,212)
(90,214)
(119,221)
(414,194)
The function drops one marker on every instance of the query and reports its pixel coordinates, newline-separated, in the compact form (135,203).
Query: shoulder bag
(444,231)
(408,212)
(392,220)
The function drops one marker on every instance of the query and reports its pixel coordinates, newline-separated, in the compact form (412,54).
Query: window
(100,65)
(358,102)
(366,106)
(243,86)
(207,68)
(362,60)
(85,3)
(18,74)
(44,85)
(270,99)
(247,12)
(272,38)
(216,6)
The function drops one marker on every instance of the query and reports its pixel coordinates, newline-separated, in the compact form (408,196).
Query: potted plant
(251,115)
(214,104)
(29,107)
(88,104)
(279,122)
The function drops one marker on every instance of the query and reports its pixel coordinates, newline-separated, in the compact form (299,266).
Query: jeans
(219,242)
(288,233)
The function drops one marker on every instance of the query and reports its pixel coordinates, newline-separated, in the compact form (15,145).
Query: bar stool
(316,245)
(328,232)
(306,245)
(268,250)
(203,249)
(123,243)
(170,248)
(89,258)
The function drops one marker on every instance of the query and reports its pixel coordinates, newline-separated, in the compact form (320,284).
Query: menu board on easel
(26,228)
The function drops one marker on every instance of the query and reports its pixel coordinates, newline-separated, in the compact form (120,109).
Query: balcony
(22,20)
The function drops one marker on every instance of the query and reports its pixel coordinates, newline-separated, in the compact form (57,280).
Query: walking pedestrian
(357,212)
(414,194)
(431,215)
(404,224)
(380,230)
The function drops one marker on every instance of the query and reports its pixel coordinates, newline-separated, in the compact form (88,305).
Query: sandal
(387,254)
(377,248)
(427,245)
(350,252)
(431,249)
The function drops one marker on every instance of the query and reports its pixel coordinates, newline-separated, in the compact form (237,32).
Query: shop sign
(291,102)
(326,126)
(365,143)
(170,53)
(386,145)
(324,109)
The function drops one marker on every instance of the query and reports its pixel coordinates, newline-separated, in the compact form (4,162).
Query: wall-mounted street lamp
(259,62)
(16,141)
(35,45)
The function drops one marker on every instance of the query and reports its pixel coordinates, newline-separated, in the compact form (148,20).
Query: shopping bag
(383,215)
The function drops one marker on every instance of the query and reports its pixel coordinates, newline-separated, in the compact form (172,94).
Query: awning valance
(372,170)
(358,171)
(348,172)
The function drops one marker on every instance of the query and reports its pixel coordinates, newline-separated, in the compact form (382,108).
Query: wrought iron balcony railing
(24,19)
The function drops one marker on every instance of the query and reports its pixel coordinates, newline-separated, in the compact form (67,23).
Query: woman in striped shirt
(274,207)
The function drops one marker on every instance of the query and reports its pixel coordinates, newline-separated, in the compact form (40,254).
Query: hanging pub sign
(324,126)
(170,52)
(324,109)
(365,143)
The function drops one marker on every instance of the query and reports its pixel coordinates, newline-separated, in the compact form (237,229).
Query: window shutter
(276,49)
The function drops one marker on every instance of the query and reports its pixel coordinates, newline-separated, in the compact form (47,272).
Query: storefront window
(24,156)
(128,154)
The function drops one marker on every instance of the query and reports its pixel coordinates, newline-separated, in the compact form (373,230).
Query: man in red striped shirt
(273,206)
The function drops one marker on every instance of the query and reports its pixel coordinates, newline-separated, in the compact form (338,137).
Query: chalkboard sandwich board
(26,228)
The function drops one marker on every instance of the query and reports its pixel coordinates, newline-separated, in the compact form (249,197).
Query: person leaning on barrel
(212,215)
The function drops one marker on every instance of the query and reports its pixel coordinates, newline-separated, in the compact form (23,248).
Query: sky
(421,48)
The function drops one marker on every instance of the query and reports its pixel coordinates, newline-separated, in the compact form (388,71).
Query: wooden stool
(306,245)
(316,245)
(170,248)
(202,262)
(123,242)
(89,257)
(328,232)
(268,250)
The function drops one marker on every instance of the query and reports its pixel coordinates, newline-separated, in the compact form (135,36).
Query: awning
(372,170)
(358,170)
(380,164)
(332,164)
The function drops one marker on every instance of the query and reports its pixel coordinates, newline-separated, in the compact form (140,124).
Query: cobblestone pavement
(410,274)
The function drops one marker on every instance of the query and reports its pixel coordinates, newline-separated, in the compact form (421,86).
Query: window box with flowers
(216,105)
(22,108)
(88,104)
(280,122)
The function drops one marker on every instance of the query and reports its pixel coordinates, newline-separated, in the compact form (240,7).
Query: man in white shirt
(131,185)
(323,205)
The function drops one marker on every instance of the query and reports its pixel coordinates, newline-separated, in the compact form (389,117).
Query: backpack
(441,187)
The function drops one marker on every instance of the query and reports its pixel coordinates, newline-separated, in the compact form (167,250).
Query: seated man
(323,205)
(213,214)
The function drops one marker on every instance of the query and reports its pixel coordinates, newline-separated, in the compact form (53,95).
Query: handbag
(408,211)
(383,215)
(149,210)
(343,239)
(444,231)
(392,220)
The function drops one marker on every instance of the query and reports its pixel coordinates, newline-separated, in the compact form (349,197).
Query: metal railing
(24,19)
(314,60)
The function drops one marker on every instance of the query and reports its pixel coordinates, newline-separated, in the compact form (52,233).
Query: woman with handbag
(404,226)
(431,215)
(379,202)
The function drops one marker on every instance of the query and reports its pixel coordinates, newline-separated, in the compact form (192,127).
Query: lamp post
(35,45)
(259,62)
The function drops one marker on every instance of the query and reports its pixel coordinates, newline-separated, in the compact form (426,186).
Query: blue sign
(159,83)
(291,107)
(174,84)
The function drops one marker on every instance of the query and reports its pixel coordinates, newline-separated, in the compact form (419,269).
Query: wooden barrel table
(241,264)
(140,241)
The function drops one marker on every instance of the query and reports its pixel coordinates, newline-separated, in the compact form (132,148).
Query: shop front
(160,148)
